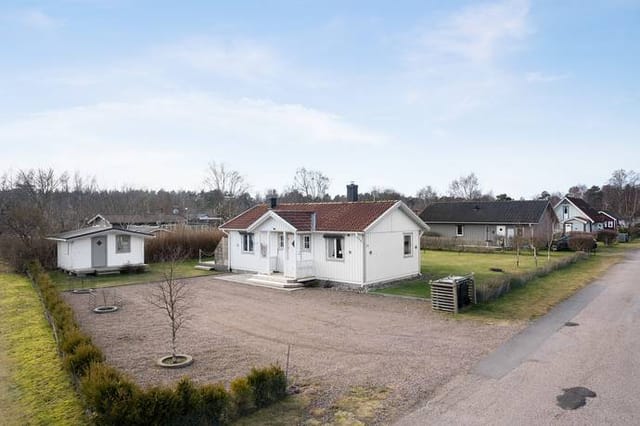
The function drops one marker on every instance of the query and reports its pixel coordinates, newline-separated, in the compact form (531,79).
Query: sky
(528,95)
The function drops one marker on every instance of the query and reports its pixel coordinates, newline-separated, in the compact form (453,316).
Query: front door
(567,228)
(99,252)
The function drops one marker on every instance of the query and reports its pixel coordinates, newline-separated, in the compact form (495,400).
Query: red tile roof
(345,217)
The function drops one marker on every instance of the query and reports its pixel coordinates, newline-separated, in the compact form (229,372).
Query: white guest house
(99,248)
(353,243)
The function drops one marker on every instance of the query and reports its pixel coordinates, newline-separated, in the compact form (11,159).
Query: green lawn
(411,288)
(524,303)
(156,271)
(33,387)
(437,264)
(541,294)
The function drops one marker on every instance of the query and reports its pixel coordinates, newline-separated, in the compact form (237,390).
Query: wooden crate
(444,292)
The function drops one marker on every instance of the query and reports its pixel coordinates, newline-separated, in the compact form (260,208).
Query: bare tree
(172,296)
(426,195)
(229,182)
(465,187)
(311,183)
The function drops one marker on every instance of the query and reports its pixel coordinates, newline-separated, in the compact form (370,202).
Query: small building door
(99,252)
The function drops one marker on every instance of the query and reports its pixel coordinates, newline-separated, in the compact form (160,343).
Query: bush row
(494,288)
(187,241)
(114,399)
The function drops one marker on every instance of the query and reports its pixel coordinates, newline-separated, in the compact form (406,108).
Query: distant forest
(37,203)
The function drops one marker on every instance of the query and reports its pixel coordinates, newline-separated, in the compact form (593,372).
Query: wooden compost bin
(450,294)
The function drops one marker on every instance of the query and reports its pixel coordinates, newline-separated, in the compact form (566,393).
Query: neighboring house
(576,215)
(161,220)
(99,248)
(491,223)
(353,243)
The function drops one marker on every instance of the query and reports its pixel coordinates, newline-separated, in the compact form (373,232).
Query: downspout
(364,258)
(419,256)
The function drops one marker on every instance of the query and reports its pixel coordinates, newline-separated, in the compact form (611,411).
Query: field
(33,387)
(156,271)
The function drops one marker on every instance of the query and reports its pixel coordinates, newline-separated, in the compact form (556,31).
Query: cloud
(539,77)
(162,141)
(242,59)
(36,19)
(478,32)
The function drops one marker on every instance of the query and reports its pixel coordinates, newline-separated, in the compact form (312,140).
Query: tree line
(38,202)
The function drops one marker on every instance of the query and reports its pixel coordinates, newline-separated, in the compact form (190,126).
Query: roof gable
(340,217)
(589,212)
(498,212)
(95,230)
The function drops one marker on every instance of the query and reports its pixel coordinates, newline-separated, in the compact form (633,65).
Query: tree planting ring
(182,361)
(105,309)
(82,290)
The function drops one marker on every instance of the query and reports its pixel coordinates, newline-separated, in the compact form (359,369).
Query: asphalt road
(519,382)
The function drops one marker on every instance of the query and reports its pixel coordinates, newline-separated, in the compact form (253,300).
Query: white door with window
(568,228)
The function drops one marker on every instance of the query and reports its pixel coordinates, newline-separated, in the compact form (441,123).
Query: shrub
(72,337)
(109,394)
(268,384)
(83,355)
(242,395)
(607,236)
(187,241)
(581,241)
(155,406)
(216,405)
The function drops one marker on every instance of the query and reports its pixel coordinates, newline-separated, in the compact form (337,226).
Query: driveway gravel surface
(339,340)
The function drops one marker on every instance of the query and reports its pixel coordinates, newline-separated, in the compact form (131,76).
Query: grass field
(33,387)
(437,264)
(525,303)
(541,294)
(184,269)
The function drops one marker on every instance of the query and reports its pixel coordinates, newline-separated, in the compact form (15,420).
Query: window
(306,242)
(519,232)
(334,247)
(459,230)
(408,245)
(281,241)
(123,243)
(247,243)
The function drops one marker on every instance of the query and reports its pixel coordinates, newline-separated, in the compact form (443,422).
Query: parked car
(563,243)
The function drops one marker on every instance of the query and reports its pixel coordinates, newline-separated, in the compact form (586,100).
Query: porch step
(276,278)
(272,283)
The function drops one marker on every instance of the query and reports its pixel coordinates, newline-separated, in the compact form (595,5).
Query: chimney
(352,192)
(273,199)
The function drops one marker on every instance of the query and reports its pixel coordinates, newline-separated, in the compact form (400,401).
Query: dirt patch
(340,341)
(574,398)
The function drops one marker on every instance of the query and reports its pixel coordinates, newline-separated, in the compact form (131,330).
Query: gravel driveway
(339,339)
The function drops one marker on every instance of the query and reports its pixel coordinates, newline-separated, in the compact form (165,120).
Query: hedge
(112,398)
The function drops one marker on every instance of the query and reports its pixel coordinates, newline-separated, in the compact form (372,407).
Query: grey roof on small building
(94,230)
(495,212)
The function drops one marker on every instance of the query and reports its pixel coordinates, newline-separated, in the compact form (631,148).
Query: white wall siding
(385,259)
(133,257)
(346,270)
(240,260)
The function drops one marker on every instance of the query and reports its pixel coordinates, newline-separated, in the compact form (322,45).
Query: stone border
(188,360)
(105,309)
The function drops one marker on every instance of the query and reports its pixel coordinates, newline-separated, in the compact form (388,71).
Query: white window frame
(404,245)
(459,230)
(120,247)
(306,242)
(332,249)
(247,243)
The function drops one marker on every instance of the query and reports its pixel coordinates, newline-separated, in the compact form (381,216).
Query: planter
(182,361)
(82,290)
(105,309)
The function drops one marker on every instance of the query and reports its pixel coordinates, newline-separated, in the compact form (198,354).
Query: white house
(99,248)
(353,243)
(576,215)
